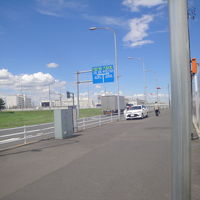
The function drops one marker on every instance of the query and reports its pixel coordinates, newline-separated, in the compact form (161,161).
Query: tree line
(2,104)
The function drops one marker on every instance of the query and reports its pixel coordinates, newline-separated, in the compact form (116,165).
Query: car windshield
(136,108)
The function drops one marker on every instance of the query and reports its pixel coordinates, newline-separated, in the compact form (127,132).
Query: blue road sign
(103,74)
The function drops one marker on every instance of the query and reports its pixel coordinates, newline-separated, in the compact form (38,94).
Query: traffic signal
(68,95)
(194,65)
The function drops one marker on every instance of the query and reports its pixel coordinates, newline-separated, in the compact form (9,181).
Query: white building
(18,101)
(84,103)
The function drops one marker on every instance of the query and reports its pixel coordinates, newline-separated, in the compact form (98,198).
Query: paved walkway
(126,160)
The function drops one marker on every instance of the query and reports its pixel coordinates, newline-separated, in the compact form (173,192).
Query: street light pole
(49,97)
(158,88)
(116,62)
(144,76)
(77,95)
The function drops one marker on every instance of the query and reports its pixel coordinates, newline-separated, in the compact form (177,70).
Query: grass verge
(21,118)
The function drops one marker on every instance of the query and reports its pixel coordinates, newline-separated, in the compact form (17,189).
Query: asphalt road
(126,160)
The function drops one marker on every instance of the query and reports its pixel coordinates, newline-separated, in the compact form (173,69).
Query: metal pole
(117,72)
(181,100)
(88,96)
(49,97)
(116,62)
(77,82)
(73,99)
(25,137)
(60,99)
(157,94)
(145,82)
(169,95)
(144,75)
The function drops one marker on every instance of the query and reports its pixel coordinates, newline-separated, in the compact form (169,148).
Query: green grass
(89,112)
(21,118)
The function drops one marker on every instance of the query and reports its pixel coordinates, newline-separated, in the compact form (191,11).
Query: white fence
(95,121)
(27,134)
(196,101)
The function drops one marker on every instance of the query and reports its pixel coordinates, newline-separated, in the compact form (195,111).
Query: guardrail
(96,121)
(25,134)
(162,107)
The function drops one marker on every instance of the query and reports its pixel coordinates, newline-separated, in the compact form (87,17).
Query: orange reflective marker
(194,65)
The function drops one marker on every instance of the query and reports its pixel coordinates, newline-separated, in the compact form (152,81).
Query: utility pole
(181,100)
(78,82)
(49,97)
(77,95)
(60,99)
(169,95)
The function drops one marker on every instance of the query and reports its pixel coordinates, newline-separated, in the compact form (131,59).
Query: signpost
(103,74)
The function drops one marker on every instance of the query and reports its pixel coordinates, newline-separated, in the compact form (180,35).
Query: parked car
(139,111)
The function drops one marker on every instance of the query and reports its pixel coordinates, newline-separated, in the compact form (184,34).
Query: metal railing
(25,134)
(162,107)
(196,102)
(96,121)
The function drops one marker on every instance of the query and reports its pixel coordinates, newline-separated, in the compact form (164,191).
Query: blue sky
(46,41)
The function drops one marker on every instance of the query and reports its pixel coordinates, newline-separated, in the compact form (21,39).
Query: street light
(116,61)
(158,88)
(144,75)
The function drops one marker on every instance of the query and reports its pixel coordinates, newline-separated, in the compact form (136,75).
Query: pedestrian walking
(156,109)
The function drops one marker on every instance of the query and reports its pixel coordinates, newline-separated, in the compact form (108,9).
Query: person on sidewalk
(156,108)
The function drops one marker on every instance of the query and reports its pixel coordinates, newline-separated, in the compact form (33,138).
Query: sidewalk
(126,160)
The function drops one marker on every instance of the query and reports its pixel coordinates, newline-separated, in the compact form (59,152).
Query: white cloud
(48,12)
(140,43)
(52,65)
(4,74)
(134,5)
(36,79)
(138,31)
(6,78)
(58,7)
(106,20)
(34,85)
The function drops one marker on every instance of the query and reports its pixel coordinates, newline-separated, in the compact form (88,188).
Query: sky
(45,42)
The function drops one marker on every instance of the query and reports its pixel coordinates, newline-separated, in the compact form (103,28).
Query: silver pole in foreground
(181,100)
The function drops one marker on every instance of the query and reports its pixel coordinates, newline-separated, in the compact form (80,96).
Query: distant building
(84,103)
(45,104)
(134,101)
(18,101)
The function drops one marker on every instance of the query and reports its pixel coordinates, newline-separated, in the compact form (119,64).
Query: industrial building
(18,101)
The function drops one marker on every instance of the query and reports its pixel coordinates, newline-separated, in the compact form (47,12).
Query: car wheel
(147,115)
(142,116)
